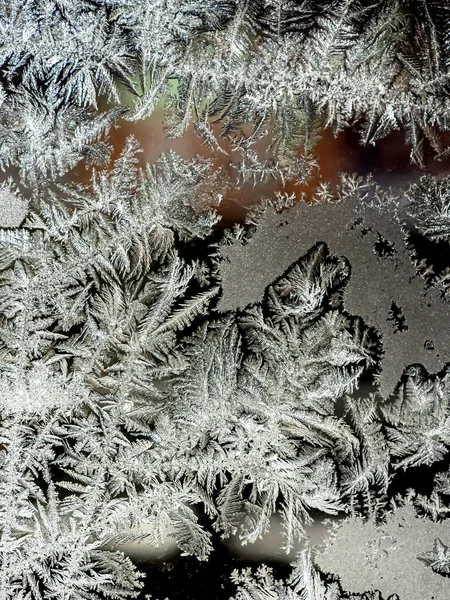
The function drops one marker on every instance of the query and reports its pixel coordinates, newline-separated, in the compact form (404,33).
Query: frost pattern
(13,208)
(133,395)
(129,401)
(124,403)
(273,65)
(391,557)
(363,224)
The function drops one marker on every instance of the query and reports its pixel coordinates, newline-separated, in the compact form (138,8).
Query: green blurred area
(128,98)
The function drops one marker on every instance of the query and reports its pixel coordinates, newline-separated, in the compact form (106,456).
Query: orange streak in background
(388,161)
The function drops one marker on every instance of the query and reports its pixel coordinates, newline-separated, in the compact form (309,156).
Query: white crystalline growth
(13,208)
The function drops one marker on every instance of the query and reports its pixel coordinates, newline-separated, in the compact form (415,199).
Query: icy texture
(127,399)
(384,287)
(395,557)
(363,561)
(13,208)
(129,403)
(135,401)
(275,65)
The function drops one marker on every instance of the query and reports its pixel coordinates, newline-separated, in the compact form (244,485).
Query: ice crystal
(142,385)
(365,226)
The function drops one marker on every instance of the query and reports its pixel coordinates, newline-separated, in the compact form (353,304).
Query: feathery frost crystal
(162,379)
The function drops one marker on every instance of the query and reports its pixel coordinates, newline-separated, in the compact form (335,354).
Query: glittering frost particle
(13,208)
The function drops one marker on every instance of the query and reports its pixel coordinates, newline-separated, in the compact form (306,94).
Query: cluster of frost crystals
(141,384)
(13,208)
(130,399)
(402,425)
(37,395)
(127,399)
(387,559)
(93,293)
(429,207)
(366,225)
(283,66)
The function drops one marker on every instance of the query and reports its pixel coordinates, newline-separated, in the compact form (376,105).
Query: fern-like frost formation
(164,380)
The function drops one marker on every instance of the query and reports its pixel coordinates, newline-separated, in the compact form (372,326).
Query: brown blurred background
(388,161)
